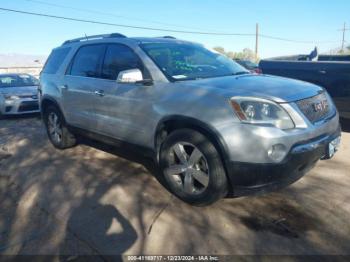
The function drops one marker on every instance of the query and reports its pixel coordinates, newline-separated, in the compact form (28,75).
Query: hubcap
(55,127)
(187,168)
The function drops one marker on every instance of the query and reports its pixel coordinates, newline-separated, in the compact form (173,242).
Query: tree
(345,51)
(245,54)
(220,49)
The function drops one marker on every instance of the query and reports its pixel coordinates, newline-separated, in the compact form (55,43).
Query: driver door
(122,109)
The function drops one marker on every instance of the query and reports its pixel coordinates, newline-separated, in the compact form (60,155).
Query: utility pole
(343,41)
(256,41)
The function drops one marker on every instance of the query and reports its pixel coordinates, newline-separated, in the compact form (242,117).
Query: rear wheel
(57,130)
(192,168)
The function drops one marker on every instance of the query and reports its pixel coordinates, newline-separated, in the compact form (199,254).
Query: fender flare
(179,121)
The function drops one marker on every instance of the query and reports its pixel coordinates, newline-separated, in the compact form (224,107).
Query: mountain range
(22,60)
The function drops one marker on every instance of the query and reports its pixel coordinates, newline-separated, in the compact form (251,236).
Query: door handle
(99,93)
(322,71)
(64,87)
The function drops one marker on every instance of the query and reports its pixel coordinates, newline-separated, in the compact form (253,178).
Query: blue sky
(315,20)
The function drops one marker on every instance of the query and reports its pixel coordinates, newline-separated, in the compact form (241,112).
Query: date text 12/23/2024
(173,258)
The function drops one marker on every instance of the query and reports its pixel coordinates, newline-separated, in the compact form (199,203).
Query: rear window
(55,60)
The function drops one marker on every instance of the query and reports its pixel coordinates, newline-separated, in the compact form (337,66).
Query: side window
(87,61)
(119,58)
(55,60)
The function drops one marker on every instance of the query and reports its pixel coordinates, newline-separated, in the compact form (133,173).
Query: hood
(278,89)
(19,90)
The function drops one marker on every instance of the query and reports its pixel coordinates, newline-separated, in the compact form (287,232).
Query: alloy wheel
(188,168)
(55,127)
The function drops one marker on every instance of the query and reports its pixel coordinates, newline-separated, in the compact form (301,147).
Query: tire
(188,159)
(59,135)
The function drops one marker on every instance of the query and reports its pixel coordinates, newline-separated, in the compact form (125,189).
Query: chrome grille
(315,108)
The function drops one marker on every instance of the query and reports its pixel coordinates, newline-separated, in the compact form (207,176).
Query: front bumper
(255,178)
(19,106)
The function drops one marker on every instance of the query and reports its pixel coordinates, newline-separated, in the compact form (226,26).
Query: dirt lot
(89,201)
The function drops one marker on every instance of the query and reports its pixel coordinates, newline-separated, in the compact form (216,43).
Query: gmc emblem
(320,105)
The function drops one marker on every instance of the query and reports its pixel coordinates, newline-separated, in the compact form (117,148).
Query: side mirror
(130,76)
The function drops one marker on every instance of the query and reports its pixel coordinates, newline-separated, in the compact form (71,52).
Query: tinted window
(55,60)
(87,61)
(119,58)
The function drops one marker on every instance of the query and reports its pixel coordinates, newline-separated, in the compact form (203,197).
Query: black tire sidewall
(217,187)
(68,139)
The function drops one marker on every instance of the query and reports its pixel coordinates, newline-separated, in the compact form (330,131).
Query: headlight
(9,97)
(261,111)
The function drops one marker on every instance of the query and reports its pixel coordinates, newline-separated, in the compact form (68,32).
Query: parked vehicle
(247,64)
(334,76)
(212,127)
(334,58)
(313,57)
(18,94)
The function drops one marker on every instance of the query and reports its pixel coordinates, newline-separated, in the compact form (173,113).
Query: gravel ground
(104,201)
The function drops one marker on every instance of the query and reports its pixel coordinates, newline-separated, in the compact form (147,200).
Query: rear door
(80,84)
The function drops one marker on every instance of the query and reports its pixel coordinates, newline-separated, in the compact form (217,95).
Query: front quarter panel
(205,104)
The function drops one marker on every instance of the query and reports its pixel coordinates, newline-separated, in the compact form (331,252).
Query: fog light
(9,102)
(277,152)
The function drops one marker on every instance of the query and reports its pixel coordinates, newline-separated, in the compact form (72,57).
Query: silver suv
(213,128)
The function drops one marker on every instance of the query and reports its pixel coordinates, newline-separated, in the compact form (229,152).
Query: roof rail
(168,36)
(94,37)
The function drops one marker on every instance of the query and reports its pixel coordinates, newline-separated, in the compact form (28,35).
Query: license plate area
(333,147)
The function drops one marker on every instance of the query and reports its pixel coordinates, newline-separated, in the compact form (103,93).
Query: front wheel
(57,130)
(192,168)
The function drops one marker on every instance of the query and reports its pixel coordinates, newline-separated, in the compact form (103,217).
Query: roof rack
(94,37)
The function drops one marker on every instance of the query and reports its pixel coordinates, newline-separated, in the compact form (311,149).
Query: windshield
(185,61)
(17,80)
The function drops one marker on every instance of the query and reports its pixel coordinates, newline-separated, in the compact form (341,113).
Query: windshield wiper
(240,73)
(204,77)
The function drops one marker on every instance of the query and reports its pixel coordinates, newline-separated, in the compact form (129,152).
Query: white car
(18,94)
